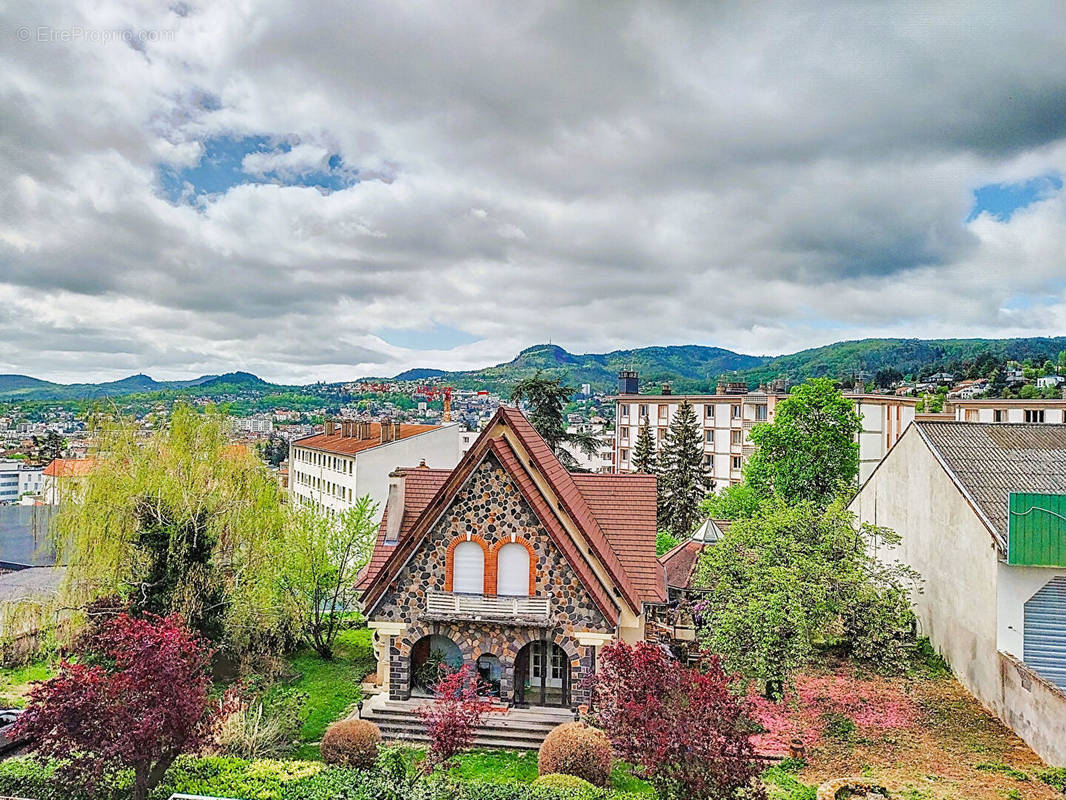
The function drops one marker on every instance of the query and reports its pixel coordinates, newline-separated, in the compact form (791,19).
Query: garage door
(1045,632)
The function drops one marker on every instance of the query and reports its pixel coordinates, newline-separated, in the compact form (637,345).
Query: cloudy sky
(323,191)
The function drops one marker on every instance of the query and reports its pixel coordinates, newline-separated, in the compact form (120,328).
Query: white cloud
(758,179)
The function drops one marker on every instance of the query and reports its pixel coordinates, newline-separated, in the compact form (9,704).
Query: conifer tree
(644,453)
(683,477)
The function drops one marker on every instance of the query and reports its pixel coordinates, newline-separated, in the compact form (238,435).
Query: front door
(542,673)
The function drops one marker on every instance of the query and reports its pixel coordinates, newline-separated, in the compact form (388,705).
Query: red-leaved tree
(453,717)
(136,699)
(684,727)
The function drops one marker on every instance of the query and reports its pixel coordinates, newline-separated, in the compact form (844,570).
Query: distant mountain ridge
(689,368)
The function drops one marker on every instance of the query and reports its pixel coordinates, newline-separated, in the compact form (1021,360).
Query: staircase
(507,728)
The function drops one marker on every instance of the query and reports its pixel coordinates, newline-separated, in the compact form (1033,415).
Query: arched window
(468,570)
(512,570)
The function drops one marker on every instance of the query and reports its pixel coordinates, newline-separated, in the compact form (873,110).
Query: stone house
(512,564)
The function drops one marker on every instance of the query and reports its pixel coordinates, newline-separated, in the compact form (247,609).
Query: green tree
(545,397)
(644,456)
(1028,392)
(793,576)
(683,477)
(178,522)
(665,542)
(738,501)
(810,451)
(51,447)
(323,555)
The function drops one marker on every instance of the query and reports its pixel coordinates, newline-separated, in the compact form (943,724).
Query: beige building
(978,508)
(999,410)
(728,416)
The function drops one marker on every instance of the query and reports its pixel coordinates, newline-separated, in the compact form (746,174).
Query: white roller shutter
(468,568)
(1045,632)
(512,570)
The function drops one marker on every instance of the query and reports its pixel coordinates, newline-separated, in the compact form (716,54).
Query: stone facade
(491,510)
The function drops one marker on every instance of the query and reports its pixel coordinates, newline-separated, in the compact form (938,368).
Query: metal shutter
(468,568)
(512,570)
(1045,632)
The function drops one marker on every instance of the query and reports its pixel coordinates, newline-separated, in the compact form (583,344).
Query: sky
(330,190)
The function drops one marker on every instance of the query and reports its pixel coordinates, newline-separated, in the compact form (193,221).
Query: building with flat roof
(728,416)
(352,458)
(996,409)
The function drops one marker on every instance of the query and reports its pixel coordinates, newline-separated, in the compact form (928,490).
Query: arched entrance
(542,675)
(430,657)
(490,671)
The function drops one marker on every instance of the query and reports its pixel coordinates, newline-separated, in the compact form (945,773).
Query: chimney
(667,389)
(362,429)
(627,382)
(394,506)
(396,436)
(331,427)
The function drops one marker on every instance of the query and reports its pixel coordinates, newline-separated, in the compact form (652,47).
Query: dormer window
(512,570)
(468,575)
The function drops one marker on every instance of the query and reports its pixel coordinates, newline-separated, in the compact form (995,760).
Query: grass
(15,682)
(331,687)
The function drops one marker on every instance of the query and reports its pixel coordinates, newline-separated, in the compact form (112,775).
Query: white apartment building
(17,479)
(999,410)
(352,458)
(259,424)
(728,416)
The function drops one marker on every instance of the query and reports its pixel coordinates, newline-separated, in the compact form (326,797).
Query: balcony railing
(453,605)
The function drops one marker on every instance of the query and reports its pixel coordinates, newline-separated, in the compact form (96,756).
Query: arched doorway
(430,657)
(490,671)
(542,675)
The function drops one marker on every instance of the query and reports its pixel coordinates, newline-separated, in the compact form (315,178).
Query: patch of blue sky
(221,167)
(1001,200)
(438,337)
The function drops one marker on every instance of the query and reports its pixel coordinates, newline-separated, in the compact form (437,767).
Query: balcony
(448,606)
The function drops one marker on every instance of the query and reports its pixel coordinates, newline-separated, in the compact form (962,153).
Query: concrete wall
(1015,586)
(1033,708)
(946,543)
(441,449)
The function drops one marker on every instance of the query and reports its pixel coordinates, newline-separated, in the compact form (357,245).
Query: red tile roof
(616,514)
(625,507)
(350,445)
(680,562)
(68,467)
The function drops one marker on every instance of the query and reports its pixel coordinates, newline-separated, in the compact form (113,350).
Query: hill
(14,383)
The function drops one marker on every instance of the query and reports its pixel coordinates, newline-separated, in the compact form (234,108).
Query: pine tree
(644,453)
(683,477)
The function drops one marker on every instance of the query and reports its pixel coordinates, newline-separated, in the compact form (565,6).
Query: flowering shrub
(578,750)
(455,714)
(137,699)
(683,727)
(872,705)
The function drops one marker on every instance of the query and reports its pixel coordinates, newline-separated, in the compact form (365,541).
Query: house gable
(491,510)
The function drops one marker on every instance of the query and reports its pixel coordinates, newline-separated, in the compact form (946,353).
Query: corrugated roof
(350,445)
(991,460)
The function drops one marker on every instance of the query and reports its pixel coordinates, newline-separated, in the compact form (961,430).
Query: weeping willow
(178,520)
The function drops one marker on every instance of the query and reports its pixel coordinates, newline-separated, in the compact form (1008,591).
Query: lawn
(923,737)
(331,687)
(15,682)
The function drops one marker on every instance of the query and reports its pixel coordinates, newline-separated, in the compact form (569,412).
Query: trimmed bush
(351,743)
(557,780)
(575,748)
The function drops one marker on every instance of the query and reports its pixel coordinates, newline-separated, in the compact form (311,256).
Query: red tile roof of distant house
(350,445)
(68,467)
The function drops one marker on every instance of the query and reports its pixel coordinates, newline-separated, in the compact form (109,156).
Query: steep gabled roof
(680,561)
(532,458)
(625,506)
(989,460)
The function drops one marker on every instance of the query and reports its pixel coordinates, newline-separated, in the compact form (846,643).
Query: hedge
(285,780)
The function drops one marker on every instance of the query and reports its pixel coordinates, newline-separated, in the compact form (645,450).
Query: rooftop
(351,445)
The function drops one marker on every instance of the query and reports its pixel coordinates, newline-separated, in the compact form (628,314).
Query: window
(735,412)
(999,415)
(664,411)
(736,462)
(468,568)
(623,455)
(512,570)
(708,459)
(760,413)
(708,436)
(971,415)
(642,409)
(708,412)
(1034,415)
(624,432)
(662,434)
(623,411)
(737,437)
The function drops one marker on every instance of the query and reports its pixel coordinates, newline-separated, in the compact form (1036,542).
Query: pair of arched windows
(512,569)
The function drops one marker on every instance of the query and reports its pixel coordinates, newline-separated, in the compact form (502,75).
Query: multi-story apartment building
(352,458)
(728,416)
(999,410)
(17,479)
